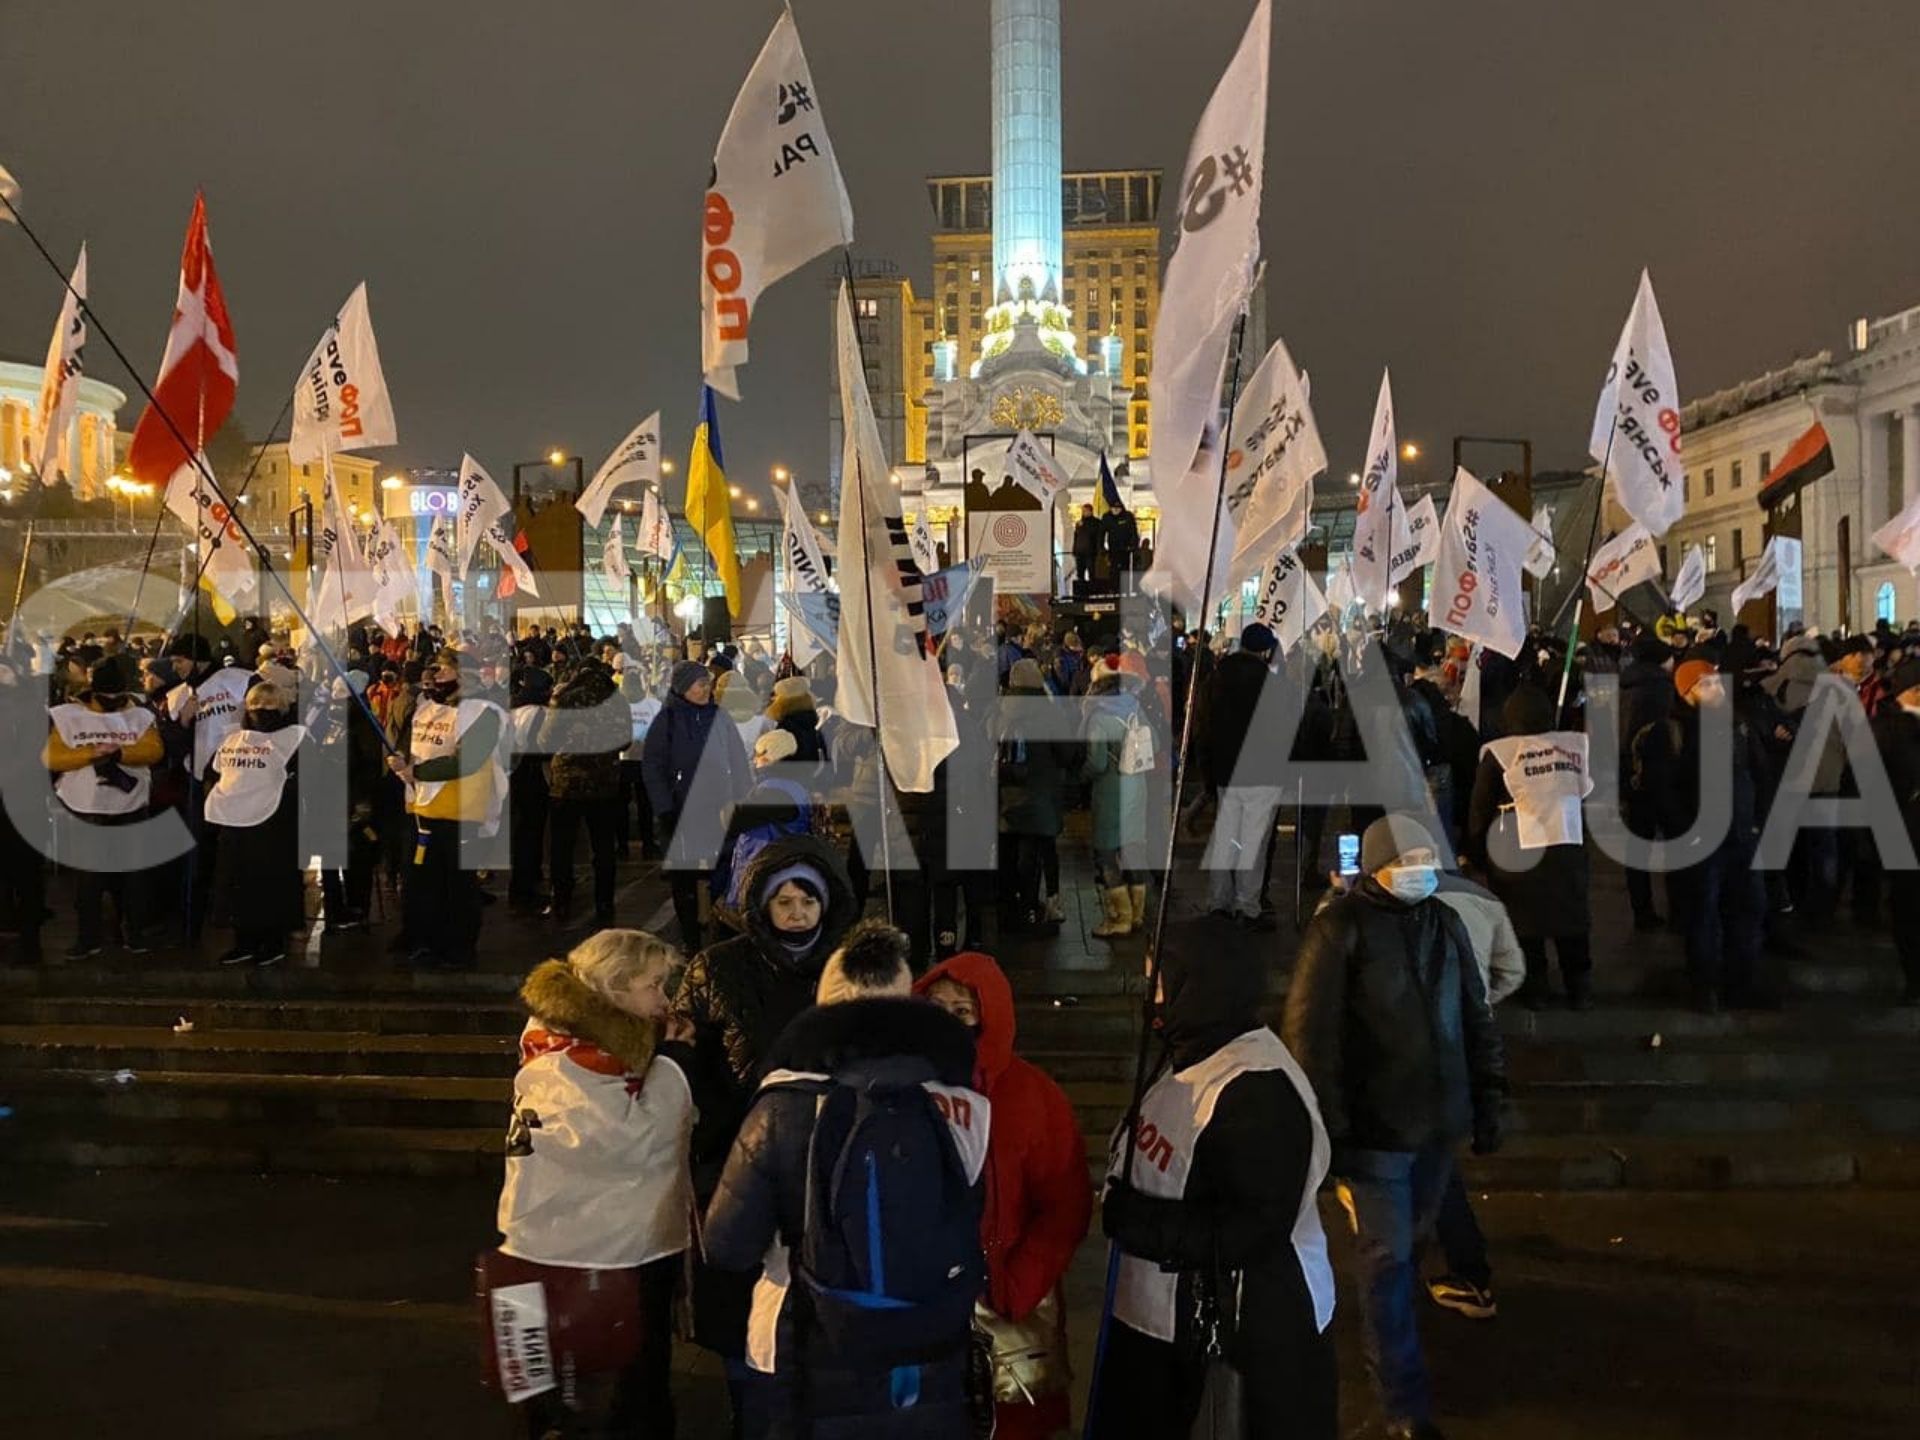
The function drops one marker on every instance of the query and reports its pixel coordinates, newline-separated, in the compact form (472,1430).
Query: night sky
(1464,190)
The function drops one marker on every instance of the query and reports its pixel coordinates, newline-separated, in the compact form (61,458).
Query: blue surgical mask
(1411,884)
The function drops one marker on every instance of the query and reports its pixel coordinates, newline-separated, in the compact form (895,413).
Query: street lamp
(1353,477)
(781,474)
(392,482)
(556,458)
(1410,451)
(733,491)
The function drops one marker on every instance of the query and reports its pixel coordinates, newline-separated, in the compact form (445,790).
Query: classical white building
(1868,401)
(95,426)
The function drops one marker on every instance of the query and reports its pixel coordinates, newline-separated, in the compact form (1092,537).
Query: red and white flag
(200,370)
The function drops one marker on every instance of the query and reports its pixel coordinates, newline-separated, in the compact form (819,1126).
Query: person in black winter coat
(1086,545)
(1245,1225)
(1720,898)
(792,710)
(800,1385)
(1247,783)
(585,728)
(1387,1014)
(1896,730)
(1646,698)
(738,996)
(1548,901)
(694,769)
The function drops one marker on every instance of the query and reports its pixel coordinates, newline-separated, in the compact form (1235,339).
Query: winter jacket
(676,744)
(597,1139)
(1034,775)
(1119,801)
(1668,762)
(1038,1201)
(1801,666)
(758,1214)
(1250,1180)
(1233,696)
(1388,1016)
(585,728)
(1496,948)
(739,995)
(1897,734)
(1086,538)
(803,723)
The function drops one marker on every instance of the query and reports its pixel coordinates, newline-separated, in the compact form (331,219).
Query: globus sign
(432,499)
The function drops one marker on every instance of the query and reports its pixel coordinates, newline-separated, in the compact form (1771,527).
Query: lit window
(1712,550)
(869,309)
(975,277)
(1884,604)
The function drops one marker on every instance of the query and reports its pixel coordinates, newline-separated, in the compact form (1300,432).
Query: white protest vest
(1547,777)
(221,698)
(597,1164)
(436,733)
(969,1116)
(1173,1115)
(84,792)
(249,775)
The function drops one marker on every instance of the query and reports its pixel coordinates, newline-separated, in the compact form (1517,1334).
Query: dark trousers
(527,842)
(23,887)
(441,909)
(134,893)
(1906,941)
(349,893)
(1392,1198)
(953,889)
(1576,962)
(685,888)
(635,808)
(1083,568)
(1458,1233)
(1030,859)
(1640,893)
(1723,905)
(564,820)
(634,1402)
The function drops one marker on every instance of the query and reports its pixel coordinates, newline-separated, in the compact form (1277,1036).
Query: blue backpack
(730,874)
(890,1249)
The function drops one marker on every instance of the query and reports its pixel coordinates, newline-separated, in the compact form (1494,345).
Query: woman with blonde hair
(597,1179)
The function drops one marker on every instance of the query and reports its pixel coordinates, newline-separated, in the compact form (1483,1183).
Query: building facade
(1868,401)
(96,439)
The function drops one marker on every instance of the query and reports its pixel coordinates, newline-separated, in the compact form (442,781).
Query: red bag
(545,1322)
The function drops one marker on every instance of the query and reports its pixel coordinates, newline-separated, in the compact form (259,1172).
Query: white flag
(656,527)
(347,591)
(500,541)
(9,192)
(482,503)
(1290,603)
(221,547)
(883,613)
(1623,562)
(1416,540)
(613,555)
(1205,290)
(1340,596)
(1273,454)
(1379,513)
(442,561)
(1764,579)
(60,383)
(774,202)
(1470,688)
(1476,585)
(802,574)
(924,555)
(1636,429)
(392,580)
(1034,469)
(634,461)
(1900,536)
(341,402)
(1541,553)
(1691,583)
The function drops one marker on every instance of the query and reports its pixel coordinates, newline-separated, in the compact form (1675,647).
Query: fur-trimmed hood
(826,1038)
(570,1016)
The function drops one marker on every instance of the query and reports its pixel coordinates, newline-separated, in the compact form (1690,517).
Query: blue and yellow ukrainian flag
(709,508)
(1106,495)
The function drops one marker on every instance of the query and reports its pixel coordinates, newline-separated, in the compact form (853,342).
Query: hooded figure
(694,769)
(1038,1202)
(1548,901)
(738,996)
(1222,1208)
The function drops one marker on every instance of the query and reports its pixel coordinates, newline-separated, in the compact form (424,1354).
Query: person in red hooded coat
(1039,1201)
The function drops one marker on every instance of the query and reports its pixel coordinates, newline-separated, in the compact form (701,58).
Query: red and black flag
(509,581)
(1810,459)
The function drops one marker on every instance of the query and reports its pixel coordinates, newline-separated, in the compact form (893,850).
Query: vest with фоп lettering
(219,700)
(478,795)
(83,791)
(249,774)
(1175,1112)
(969,1117)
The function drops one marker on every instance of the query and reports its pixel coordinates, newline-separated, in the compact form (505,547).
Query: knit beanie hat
(774,747)
(686,674)
(1690,674)
(1390,837)
(1026,675)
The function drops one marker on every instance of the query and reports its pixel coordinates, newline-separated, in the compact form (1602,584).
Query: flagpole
(198,463)
(1181,765)
(1580,587)
(866,588)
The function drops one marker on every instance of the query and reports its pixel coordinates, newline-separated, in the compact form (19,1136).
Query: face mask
(440,691)
(1412,883)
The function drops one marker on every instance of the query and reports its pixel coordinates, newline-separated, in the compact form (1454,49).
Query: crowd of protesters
(817,1129)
